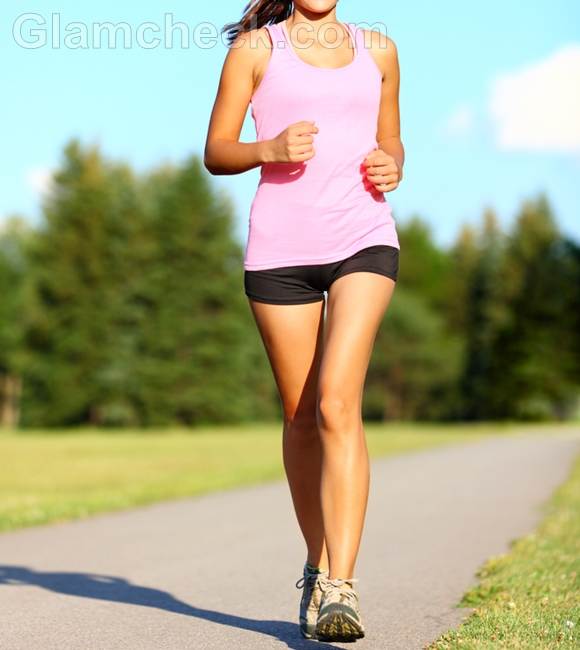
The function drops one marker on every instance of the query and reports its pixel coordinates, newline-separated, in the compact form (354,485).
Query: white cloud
(39,179)
(460,122)
(537,108)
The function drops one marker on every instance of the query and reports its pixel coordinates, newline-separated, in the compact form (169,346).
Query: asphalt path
(217,571)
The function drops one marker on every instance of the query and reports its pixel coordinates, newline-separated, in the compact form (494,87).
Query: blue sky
(490,102)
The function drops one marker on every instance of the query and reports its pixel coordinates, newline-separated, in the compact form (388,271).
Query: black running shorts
(291,285)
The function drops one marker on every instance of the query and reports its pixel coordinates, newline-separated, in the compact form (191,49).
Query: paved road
(218,571)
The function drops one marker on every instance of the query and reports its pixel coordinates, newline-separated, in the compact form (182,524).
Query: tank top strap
(364,54)
(358,36)
(277,37)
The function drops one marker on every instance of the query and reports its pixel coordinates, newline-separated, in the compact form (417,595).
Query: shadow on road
(113,589)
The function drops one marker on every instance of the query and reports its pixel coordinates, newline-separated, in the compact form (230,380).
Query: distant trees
(13,270)
(135,312)
(488,330)
(125,307)
(483,309)
(534,372)
(415,361)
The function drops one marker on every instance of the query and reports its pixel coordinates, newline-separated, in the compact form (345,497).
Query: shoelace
(311,578)
(337,582)
(344,594)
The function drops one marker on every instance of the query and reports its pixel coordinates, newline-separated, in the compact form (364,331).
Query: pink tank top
(320,210)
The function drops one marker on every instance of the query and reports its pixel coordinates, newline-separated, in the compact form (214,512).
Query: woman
(324,97)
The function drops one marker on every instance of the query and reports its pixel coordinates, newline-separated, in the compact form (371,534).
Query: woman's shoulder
(250,51)
(253,41)
(382,48)
(377,40)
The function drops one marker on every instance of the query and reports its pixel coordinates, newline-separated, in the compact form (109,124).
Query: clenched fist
(294,144)
(382,170)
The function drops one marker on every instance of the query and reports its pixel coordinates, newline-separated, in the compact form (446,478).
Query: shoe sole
(338,627)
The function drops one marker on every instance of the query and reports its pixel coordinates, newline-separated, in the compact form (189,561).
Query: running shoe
(339,616)
(310,600)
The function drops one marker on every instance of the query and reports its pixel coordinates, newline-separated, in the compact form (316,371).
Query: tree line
(125,307)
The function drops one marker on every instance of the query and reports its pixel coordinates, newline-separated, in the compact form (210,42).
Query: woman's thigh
(292,336)
(356,305)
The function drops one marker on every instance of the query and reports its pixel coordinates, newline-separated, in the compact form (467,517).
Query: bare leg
(292,336)
(356,304)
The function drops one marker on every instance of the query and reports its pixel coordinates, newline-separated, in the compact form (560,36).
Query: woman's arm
(389,128)
(386,172)
(224,154)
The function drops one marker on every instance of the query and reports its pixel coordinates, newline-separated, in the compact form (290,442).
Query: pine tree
(532,373)
(483,305)
(13,240)
(424,267)
(138,314)
(464,257)
(200,357)
(81,327)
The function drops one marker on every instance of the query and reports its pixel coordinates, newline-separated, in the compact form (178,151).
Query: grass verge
(58,476)
(529,598)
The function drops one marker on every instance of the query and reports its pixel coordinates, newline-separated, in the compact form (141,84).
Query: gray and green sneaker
(339,616)
(310,600)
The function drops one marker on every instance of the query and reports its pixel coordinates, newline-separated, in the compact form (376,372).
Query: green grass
(529,598)
(49,477)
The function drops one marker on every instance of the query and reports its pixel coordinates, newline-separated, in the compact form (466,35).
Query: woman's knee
(336,413)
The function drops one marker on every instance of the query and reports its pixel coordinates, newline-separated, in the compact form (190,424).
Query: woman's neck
(310,23)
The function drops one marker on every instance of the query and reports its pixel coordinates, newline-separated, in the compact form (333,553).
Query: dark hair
(258,13)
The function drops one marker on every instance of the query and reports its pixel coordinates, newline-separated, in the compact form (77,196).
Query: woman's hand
(293,145)
(382,170)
